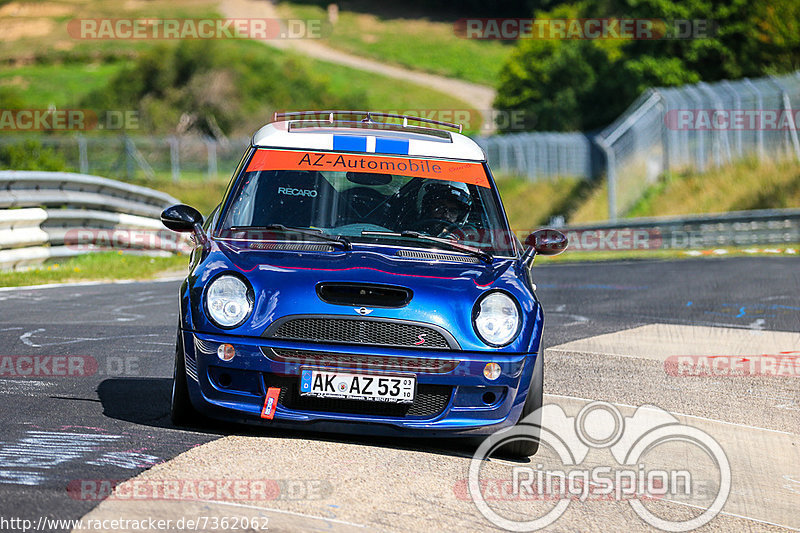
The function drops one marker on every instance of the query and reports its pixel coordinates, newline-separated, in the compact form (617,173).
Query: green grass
(58,43)
(97,266)
(530,205)
(202,195)
(414,42)
(739,187)
(62,85)
(389,94)
(786,250)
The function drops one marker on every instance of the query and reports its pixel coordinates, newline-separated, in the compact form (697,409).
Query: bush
(31,155)
(212,86)
(567,85)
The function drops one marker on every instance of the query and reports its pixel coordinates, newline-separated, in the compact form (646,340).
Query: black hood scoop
(363,294)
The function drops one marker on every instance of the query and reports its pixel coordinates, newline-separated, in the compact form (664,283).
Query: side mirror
(181,217)
(545,242)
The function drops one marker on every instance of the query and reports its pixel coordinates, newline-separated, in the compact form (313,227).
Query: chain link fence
(699,127)
(694,127)
(540,156)
(126,157)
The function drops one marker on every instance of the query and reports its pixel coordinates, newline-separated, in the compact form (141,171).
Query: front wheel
(533,406)
(181,410)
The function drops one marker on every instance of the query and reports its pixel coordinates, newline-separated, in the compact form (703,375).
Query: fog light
(491,371)
(226,352)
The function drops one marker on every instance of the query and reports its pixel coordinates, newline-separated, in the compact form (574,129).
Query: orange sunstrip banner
(465,172)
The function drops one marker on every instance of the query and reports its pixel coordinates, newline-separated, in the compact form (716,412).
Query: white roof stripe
(276,135)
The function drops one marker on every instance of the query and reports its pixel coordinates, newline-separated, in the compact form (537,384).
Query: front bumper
(453,396)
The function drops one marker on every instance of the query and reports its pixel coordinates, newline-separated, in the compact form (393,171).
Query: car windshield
(359,204)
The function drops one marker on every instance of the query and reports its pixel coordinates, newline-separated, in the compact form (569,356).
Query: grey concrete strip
(660,341)
(397,489)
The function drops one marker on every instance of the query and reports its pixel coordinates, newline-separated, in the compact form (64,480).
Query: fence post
(759,130)
(83,155)
(503,148)
(787,108)
(175,158)
(737,101)
(128,157)
(611,176)
(719,136)
(662,108)
(701,148)
(211,146)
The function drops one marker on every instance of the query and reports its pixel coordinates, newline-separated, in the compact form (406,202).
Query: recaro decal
(297,192)
(462,171)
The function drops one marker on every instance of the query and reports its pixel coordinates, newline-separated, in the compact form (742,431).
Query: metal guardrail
(739,228)
(45,215)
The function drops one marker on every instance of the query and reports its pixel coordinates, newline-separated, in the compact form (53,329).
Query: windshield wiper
(480,254)
(308,232)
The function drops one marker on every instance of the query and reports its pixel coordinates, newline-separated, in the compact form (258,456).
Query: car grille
(430,401)
(342,360)
(359,331)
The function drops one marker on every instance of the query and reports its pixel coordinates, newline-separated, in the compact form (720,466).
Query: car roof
(367,132)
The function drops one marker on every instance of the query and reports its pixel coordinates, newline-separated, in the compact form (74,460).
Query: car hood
(444,292)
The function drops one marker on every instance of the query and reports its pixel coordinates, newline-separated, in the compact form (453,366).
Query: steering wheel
(435,227)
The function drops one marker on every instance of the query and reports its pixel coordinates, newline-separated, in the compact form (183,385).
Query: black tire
(181,410)
(526,447)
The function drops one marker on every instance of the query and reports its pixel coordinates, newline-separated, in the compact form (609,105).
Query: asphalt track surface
(113,424)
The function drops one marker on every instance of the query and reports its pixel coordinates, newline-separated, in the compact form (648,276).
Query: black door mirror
(181,217)
(545,242)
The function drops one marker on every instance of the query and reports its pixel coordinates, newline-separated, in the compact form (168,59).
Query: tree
(567,85)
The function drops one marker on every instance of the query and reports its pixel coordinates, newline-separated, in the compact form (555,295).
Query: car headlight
(496,319)
(228,301)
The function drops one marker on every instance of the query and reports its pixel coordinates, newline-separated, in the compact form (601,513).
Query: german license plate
(372,387)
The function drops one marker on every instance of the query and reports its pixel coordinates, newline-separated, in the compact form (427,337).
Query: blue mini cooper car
(360,276)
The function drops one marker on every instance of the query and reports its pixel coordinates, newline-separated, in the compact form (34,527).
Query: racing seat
(295,198)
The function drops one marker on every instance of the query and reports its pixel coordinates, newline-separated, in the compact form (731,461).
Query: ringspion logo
(698,472)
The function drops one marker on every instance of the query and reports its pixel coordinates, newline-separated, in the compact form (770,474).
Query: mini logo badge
(363,311)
